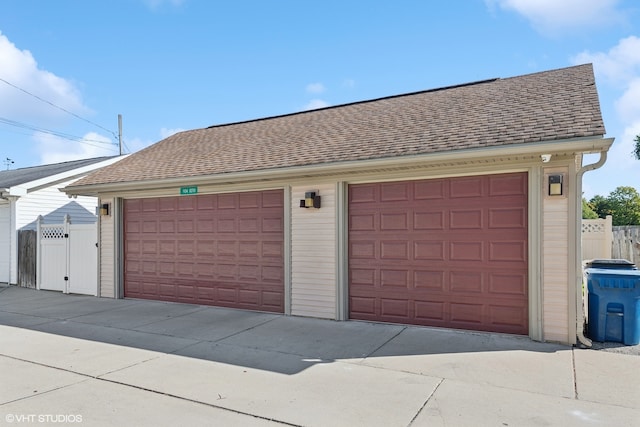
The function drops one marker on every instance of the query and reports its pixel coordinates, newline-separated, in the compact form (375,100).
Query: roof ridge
(365,101)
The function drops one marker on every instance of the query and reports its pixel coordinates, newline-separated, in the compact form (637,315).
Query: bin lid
(613,273)
(613,264)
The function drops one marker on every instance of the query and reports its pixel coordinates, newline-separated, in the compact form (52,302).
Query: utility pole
(120,133)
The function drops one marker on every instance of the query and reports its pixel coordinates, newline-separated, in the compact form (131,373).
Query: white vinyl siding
(313,254)
(5,240)
(53,205)
(555,261)
(107,253)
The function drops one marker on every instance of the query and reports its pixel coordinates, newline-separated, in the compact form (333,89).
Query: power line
(54,133)
(57,106)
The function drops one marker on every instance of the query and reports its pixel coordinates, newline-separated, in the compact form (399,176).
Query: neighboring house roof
(36,176)
(546,106)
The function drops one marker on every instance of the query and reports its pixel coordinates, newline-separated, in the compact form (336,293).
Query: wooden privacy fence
(27,244)
(626,243)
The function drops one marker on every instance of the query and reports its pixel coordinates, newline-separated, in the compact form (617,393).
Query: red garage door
(224,250)
(442,252)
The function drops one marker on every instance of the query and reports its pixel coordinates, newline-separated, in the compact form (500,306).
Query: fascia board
(569,146)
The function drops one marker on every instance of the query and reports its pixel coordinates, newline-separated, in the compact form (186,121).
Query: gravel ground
(617,347)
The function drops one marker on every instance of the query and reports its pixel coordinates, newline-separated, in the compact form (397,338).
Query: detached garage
(456,207)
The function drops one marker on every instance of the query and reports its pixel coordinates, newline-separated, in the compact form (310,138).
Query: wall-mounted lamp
(546,158)
(555,185)
(311,200)
(105,209)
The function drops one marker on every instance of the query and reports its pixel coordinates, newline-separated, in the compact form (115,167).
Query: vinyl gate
(67,257)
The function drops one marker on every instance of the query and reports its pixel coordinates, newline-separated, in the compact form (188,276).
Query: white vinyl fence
(597,238)
(67,257)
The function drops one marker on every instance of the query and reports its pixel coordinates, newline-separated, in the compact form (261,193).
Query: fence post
(608,235)
(67,248)
(38,252)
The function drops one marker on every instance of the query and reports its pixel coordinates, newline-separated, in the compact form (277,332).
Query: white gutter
(568,146)
(578,256)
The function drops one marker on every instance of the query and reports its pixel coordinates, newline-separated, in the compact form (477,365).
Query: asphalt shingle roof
(9,178)
(546,106)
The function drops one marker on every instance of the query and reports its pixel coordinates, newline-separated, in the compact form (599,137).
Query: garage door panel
(248,200)
(272,249)
(507,251)
(507,318)
(465,188)
(509,284)
(214,249)
(396,221)
(227,201)
(365,307)
(272,225)
(273,199)
(509,217)
(428,220)
(467,219)
(508,185)
(227,225)
(429,280)
(465,313)
(466,282)
(394,250)
(433,250)
(466,251)
(395,278)
(398,308)
(431,312)
(395,192)
(452,253)
(363,193)
(430,190)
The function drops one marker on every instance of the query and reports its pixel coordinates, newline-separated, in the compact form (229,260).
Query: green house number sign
(185,191)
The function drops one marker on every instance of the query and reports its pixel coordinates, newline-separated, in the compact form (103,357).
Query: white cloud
(54,149)
(620,64)
(136,144)
(20,69)
(314,104)
(155,4)
(166,133)
(628,106)
(555,16)
(620,67)
(315,88)
(349,83)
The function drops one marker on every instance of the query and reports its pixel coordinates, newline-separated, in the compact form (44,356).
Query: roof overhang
(569,147)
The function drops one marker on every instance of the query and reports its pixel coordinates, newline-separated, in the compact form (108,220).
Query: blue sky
(168,65)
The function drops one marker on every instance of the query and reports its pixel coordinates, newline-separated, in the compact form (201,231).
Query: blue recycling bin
(614,305)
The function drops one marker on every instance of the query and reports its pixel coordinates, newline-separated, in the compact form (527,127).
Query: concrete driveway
(78,360)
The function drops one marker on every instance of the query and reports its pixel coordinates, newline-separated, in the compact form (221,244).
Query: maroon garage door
(442,252)
(224,250)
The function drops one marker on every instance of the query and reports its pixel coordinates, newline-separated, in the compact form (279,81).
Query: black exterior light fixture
(105,209)
(311,200)
(555,185)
